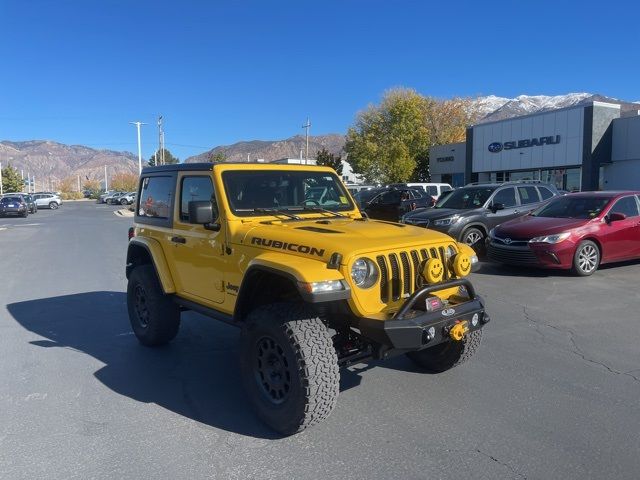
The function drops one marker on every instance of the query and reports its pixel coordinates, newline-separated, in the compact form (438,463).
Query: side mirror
(496,206)
(615,217)
(203,213)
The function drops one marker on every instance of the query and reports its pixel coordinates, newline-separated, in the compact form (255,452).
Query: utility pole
(307,126)
(78,182)
(137,124)
(160,155)
(248,155)
(106,186)
(1,191)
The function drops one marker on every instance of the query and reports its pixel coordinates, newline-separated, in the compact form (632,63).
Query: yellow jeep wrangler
(282,252)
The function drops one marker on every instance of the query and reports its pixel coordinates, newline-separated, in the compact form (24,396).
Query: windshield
(573,207)
(466,198)
(250,192)
(364,196)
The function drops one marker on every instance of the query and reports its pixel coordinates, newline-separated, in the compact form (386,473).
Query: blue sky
(222,71)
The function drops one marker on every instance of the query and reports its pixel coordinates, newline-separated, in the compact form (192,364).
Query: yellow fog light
(433,270)
(461,264)
(458,330)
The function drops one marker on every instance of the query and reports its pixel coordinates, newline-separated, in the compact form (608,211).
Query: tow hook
(458,330)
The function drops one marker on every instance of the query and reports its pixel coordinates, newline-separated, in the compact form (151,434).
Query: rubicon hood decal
(292,247)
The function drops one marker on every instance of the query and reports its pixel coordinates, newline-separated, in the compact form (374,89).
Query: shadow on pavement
(197,375)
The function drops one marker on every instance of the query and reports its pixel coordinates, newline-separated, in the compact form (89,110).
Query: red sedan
(579,231)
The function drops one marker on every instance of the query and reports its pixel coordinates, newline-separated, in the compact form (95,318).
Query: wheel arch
(262,285)
(146,251)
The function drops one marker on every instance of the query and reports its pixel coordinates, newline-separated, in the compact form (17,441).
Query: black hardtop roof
(181,167)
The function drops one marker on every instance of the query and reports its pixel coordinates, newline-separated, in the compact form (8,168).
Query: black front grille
(399,272)
(511,255)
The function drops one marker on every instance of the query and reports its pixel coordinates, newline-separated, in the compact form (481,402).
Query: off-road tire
(447,355)
(586,259)
(300,344)
(154,317)
(473,233)
(53,205)
(124,202)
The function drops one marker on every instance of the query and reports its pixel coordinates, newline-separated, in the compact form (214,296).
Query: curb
(123,212)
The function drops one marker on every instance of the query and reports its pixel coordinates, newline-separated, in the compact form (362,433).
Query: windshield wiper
(277,211)
(324,210)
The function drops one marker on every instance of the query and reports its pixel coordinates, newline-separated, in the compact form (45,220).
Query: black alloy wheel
(272,370)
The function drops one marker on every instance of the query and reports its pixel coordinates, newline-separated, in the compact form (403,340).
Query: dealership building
(591,146)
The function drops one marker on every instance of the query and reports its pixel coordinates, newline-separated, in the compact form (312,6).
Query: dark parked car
(14,205)
(578,231)
(392,203)
(28,198)
(468,213)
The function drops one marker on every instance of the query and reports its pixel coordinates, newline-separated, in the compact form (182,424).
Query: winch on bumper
(415,328)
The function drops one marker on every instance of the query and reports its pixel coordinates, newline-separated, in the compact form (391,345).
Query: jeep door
(511,209)
(197,253)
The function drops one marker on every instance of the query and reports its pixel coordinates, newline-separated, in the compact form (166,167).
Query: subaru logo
(448,312)
(507,240)
(495,147)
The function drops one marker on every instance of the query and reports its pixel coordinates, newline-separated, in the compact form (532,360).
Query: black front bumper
(409,328)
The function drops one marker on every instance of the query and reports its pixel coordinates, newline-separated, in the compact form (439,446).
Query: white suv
(47,200)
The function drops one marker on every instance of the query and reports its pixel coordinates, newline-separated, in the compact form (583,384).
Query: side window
(155,197)
(194,189)
(626,205)
(415,194)
(432,190)
(528,195)
(545,193)
(446,188)
(390,198)
(507,197)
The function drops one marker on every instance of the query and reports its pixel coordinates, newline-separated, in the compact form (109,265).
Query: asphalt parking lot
(553,393)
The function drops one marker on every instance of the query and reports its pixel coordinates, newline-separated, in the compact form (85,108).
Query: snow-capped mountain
(494,108)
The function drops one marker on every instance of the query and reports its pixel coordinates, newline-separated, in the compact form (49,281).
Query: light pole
(138,124)
(307,126)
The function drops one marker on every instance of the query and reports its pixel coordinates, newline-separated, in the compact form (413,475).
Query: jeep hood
(328,235)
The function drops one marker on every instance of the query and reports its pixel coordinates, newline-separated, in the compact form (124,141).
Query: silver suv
(47,200)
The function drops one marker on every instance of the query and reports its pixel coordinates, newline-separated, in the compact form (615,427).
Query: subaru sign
(496,147)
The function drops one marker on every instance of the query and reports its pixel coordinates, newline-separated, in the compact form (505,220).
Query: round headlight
(364,273)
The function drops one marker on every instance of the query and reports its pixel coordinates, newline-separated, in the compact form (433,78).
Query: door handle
(178,240)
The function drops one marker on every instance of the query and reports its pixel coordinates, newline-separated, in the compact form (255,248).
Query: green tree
(327,159)
(169,159)
(11,180)
(390,142)
(386,139)
(217,157)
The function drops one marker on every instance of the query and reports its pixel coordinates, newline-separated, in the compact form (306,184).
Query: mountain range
(52,161)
